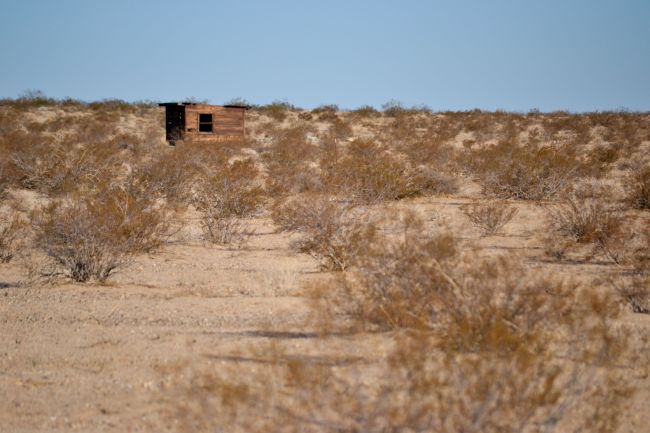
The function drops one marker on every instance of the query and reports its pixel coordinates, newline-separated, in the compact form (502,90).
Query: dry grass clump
(475,345)
(509,170)
(90,235)
(489,217)
(226,197)
(332,233)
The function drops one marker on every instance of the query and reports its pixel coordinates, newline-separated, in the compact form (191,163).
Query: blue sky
(499,54)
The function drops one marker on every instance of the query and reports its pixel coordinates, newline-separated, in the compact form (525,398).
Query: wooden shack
(189,121)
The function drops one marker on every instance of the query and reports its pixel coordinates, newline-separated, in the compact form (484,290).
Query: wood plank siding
(191,122)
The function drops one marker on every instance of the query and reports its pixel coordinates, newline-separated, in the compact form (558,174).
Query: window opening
(205,122)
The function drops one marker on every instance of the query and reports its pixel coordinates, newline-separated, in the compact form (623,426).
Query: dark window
(205,122)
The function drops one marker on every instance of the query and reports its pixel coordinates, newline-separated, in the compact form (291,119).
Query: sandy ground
(91,358)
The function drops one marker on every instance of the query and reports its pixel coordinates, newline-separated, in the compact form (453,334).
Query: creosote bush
(90,235)
(489,217)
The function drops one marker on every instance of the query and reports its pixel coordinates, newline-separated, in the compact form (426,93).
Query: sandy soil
(91,358)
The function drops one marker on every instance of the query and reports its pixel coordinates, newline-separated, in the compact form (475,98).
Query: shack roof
(166,104)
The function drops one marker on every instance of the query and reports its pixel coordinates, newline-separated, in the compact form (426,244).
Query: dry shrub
(366,111)
(632,284)
(289,162)
(168,175)
(587,221)
(326,113)
(90,235)
(509,170)
(367,173)
(11,232)
(489,217)
(429,179)
(277,110)
(224,198)
(39,163)
(394,108)
(603,156)
(475,346)
(637,186)
(224,230)
(331,232)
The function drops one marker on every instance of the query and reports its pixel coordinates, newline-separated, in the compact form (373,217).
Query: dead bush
(91,235)
(489,217)
(332,233)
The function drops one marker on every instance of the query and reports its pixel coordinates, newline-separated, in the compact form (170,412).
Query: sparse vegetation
(480,348)
(417,326)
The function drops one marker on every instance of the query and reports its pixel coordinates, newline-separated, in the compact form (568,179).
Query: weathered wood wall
(226,122)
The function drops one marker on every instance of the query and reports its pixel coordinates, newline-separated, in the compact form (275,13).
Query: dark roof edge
(166,104)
